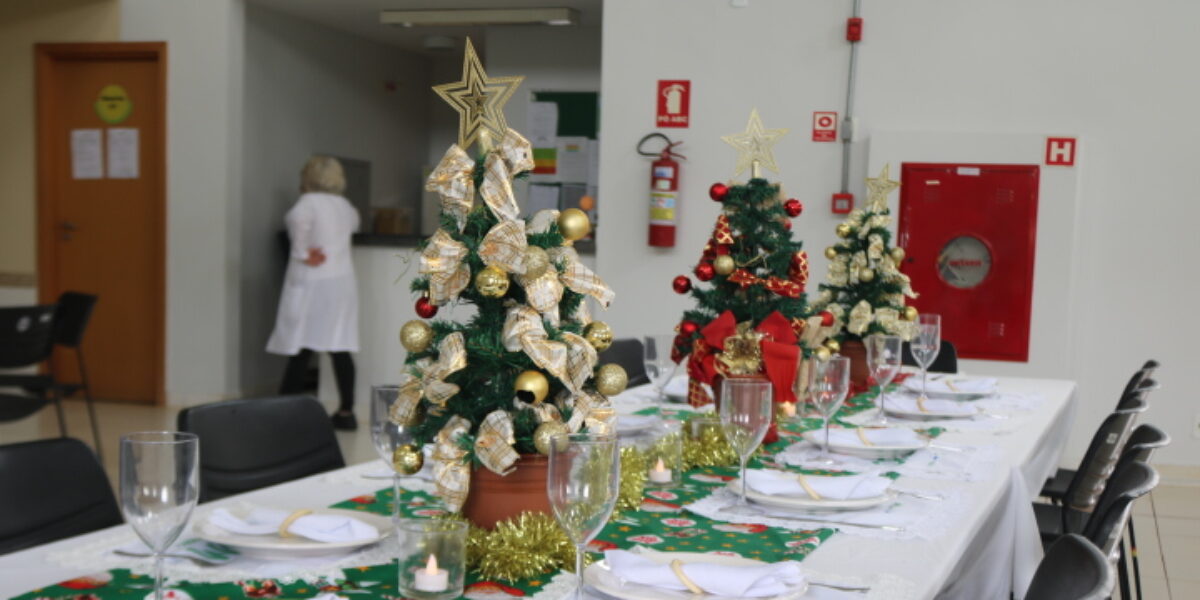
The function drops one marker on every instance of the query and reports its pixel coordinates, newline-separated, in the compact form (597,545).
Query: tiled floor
(1167,524)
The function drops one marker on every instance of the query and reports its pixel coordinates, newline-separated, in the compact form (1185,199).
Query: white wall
(311,89)
(1110,72)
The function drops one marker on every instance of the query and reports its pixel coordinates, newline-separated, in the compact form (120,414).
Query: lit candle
(660,473)
(431,578)
(789,409)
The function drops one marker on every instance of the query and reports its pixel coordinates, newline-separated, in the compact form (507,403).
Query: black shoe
(344,421)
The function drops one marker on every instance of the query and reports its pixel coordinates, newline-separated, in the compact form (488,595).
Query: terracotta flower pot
(494,498)
(857,353)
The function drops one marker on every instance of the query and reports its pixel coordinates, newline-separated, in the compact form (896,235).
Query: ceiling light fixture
(478,17)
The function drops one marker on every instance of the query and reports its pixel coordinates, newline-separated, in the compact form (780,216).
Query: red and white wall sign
(824,127)
(674,101)
(1060,151)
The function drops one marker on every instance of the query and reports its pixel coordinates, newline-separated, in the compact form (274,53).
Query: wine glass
(883,358)
(828,383)
(656,354)
(745,417)
(926,342)
(582,484)
(160,483)
(394,442)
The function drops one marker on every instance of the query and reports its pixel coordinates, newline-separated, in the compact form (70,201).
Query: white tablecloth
(994,545)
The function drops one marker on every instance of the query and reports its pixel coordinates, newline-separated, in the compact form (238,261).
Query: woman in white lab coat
(318,309)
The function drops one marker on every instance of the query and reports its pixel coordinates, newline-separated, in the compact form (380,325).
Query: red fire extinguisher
(664,191)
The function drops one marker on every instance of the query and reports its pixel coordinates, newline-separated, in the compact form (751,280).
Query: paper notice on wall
(573,159)
(543,124)
(122,153)
(87,158)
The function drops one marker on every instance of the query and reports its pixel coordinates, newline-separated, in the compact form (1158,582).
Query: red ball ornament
(787,225)
(793,207)
(705,271)
(682,284)
(688,328)
(425,308)
(826,318)
(718,191)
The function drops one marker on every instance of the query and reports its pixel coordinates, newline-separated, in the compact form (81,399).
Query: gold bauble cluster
(407,459)
(573,224)
(533,382)
(416,336)
(599,335)
(831,253)
(822,353)
(910,313)
(492,282)
(611,379)
(833,345)
(866,274)
(844,230)
(723,264)
(536,262)
(898,254)
(544,435)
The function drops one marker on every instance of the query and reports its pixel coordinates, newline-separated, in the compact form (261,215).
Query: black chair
(71,320)
(1135,381)
(1073,569)
(945,362)
(1141,446)
(26,340)
(256,442)
(50,490)
(628,353)
(1106,527)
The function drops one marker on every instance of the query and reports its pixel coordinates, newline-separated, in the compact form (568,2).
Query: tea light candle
(660,473)
(431,578)
(789,409)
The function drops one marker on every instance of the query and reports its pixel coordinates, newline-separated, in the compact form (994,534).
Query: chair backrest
(1140,391)
(1106,525)
(1147,371)
(71,318)
(1142,443)
(1101,457)
(50,490)
(945,362)
(251,443)
(1073,569)
(628,353)
(26,335)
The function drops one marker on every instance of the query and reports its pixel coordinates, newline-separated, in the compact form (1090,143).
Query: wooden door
(970,232)
(101,142)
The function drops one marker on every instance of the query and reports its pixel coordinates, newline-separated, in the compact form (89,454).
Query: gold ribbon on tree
(452,357)
(442,261)
(494,442)
(570,360)
(544,293)
(451,473)
(453,181)
(860,318)
(504,247)
(588,408)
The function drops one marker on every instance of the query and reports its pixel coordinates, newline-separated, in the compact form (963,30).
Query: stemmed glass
(745,417)
(656,354)
(883,358)
(828,383)
(582,484)
(926,342)
(160,483)
(393,441)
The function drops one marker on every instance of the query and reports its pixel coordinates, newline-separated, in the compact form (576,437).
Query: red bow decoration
(783,287)
(779,352)
(798,269)
(718,244)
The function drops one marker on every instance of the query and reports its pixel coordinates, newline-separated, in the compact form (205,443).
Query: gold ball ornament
(724,264)
(544,435)
(831,253)
(898,254)
(573,224)
(611,379)
(536,262)
(833,345)
(492,281)
(866,274)
(416,336)
(408,459)
(910,313)
(822,353)
(599,335)
(844,230)
(533,382)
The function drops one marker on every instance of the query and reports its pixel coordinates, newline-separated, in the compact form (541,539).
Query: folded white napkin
(635,423)
(677,386)
(883,438)
(319,527)
(951,384)
(909,404)
(750,581)
(785,483)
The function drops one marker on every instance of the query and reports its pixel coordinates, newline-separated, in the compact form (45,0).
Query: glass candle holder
(433,558)
(700,424)
(664,454)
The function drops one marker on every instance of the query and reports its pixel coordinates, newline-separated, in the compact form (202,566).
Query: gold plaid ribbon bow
(451,474)
(454,183)
(494,443)
(579,278)
(860,318)
(593,410)
(570,360)
(442,261)
(452,357)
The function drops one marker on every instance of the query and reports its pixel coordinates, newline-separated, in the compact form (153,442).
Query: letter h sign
(1060,151)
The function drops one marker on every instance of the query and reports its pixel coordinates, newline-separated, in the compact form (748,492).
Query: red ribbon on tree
(780,353)
(780,286)
(798,269)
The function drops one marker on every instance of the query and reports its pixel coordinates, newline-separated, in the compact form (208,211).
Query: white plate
(601,577)
(936,391)
(635,424)
(808,504)
(932,415)
(275,547)
(817,438)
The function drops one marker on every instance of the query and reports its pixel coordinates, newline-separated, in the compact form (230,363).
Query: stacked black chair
(50,490)
(945,362)
(1141,446)
(256,442)
(71,320)
(27,340)
(1073,569)
(628,353)
(1106,527)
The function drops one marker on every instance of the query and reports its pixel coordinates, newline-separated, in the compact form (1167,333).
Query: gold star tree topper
(479,101)
(878,189)
(754,146)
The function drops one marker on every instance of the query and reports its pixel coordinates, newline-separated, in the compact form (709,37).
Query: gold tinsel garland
(708,448)
(520,547)
(634,469)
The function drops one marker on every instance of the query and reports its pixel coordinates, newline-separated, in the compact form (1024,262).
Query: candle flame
(659,466)
(431,565)
(790,409)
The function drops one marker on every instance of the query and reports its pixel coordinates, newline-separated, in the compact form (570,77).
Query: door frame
(45,55)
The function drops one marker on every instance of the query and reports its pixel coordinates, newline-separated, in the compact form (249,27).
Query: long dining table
(976,537)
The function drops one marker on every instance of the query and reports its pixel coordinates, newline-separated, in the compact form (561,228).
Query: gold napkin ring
(862,437)
(807,488)
(283,527)
(677,568)
(950,384)
(921,404)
